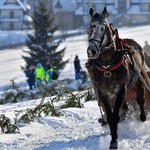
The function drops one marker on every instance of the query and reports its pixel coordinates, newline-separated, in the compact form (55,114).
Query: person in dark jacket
(77,67)
(29,72)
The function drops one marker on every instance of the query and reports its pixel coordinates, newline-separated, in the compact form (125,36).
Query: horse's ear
(91,12)
(105,13)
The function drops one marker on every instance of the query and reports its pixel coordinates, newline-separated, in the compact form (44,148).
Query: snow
(78,128)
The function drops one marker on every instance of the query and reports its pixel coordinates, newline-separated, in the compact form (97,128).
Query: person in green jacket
(49,74)
(39,75)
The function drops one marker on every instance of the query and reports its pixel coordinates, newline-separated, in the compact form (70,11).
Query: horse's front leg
(120,97)
(108,110)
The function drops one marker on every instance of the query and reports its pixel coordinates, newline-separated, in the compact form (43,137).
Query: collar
(109,67)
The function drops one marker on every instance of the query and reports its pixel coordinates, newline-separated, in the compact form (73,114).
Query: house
(63,10)
(138,11)
(129,12)
(65,14)
(14,15)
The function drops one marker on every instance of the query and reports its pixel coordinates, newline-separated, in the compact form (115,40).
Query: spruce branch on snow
(7,126)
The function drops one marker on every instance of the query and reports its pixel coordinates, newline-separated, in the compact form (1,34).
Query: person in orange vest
(39,75)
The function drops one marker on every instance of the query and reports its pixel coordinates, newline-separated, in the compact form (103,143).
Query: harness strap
(110,68)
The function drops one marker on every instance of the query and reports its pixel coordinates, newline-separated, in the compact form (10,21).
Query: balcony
(8,19)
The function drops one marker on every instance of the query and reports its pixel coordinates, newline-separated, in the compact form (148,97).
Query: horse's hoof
(113,145)
(102,121)
(143,117)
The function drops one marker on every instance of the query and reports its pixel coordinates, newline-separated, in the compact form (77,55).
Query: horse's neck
(108,54)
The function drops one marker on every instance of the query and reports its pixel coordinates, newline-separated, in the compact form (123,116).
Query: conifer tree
(42,47)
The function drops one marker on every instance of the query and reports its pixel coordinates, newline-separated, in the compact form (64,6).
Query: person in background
(29,72)
(39,75)
(83,76)
(77,67)
(146,48)
(49,74)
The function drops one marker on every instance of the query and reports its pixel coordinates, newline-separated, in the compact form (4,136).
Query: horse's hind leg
(124,110)
(141,99)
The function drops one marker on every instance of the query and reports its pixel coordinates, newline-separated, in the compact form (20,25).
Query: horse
(111,70)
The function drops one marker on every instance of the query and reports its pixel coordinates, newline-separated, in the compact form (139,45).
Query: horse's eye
(93,26)
(102,29)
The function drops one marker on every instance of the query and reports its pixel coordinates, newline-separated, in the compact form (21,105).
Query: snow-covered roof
(110,1)
(27,18)
(140,1)
(80,11)
(97,1)
(2,2)
(135,1)
(145,1)
(22,5)
(67,5)
(135,9)
(11,6)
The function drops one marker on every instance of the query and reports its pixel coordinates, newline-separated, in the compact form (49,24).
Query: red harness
(110,68)
(120,43)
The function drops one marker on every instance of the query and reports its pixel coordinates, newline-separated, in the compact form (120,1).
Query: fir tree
(41,44)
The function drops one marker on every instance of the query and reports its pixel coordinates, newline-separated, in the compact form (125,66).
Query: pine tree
(42,47)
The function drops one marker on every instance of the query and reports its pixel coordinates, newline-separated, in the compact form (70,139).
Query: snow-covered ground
(78,129)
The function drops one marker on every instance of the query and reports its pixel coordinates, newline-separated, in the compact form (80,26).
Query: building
(129,12)
(65,14)
(14,15)
(71,14)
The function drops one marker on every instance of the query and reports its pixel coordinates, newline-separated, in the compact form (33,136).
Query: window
(11,14)
(11,26)
(145,7)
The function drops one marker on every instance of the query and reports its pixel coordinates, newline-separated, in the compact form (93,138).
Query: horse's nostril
(93,52)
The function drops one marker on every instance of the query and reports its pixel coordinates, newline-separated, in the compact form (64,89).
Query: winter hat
(39,65)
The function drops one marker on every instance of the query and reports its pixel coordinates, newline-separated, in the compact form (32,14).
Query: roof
(66,5)
(22,5)
(58,5)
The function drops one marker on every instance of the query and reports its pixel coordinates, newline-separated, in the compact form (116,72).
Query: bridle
(117,60)
(99,47)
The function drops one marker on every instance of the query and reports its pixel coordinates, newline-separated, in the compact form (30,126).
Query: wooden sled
(131,97)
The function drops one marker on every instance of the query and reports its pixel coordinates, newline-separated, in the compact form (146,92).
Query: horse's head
(99,33)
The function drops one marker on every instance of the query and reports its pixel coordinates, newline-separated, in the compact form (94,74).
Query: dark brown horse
(112,70)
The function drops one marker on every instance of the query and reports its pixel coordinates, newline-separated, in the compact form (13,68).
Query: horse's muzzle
(92,53)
